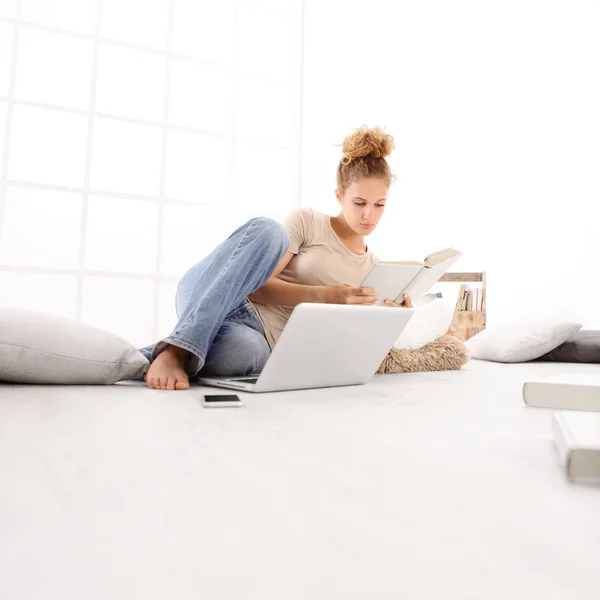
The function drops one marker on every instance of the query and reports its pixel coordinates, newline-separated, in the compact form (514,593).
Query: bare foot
(167,370)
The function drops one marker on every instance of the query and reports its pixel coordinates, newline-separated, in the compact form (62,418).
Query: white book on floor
(573,391)
(577,442)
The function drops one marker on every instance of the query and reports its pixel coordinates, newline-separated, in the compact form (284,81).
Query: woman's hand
(406,304)
(347,294)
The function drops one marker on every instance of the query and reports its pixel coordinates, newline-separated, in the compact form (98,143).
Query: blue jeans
(216,322)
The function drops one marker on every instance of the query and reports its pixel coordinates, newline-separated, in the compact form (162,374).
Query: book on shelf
(470,299)
(461,292)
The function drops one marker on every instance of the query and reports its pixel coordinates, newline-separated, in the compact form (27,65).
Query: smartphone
(222,401)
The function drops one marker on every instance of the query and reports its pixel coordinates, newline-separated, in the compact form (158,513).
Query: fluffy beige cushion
(447,353)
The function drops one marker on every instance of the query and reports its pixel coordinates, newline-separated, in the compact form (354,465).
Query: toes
(181,384)
(166,382)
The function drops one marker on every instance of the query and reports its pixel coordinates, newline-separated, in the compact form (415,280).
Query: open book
(393,279)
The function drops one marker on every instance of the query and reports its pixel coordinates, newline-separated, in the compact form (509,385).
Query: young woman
(233,305)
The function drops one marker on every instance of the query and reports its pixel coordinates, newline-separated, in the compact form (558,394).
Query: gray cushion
(41,348)
(584,347)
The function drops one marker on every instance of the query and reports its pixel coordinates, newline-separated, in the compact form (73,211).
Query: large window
(134,136)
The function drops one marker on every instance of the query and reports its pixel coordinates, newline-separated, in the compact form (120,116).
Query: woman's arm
(281,293)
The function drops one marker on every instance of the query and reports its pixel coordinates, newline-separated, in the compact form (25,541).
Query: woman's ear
(339,195)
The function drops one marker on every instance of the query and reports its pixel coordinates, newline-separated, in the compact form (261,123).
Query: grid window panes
(134,137)
(54,68)
(205,30)
(3,108)
(121,21)
(131,83)
(47,146)
(71,15)
(41,228)
(6,45)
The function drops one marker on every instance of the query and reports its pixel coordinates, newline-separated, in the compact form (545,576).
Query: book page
(412,263)
(427,277)
(389,280)
(440,256)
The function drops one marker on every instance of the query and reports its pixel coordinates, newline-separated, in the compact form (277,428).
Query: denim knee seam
(235,252)
(231,258)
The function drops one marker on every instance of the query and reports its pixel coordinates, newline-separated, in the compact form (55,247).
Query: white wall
(134,136)
(494,107)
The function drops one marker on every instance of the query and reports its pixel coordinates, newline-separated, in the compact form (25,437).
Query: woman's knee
(237,350)
(273,233)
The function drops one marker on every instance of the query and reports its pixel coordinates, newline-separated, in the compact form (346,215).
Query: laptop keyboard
(250,380)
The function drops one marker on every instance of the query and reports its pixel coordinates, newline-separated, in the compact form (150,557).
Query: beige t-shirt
(320,259)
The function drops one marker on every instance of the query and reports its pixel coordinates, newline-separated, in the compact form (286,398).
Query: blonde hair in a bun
(364,156)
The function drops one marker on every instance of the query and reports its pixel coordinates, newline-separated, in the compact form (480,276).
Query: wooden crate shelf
(466,323)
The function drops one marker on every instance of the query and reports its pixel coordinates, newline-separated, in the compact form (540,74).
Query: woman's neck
(352,240)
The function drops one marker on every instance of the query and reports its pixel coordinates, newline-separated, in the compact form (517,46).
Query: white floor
(420,486)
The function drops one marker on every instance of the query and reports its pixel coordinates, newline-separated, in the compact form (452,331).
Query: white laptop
(324,345)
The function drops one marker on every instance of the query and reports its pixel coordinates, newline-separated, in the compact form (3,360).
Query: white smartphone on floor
(222,401)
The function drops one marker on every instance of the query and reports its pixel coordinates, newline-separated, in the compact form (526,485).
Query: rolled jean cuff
(195,361)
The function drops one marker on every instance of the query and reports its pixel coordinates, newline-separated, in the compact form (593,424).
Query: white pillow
(41,348)
(429,322)
(520,342)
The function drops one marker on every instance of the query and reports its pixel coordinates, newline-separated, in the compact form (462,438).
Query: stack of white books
(577,430)
(579,392)
(577,442)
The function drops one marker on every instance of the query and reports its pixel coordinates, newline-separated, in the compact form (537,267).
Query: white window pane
(8,8)
(75,15)
(130,83)
(126,157)
(121,235)
(280,5)
(204,29)
(167,315)
(266,42)
(121,21)
(263,179)
(41,228)
(47,146)
(6,41)
(198,168)
(2,126)
(124,307)
(265,110)
(189,234)
(54,68)
(53,294)
(200,97)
